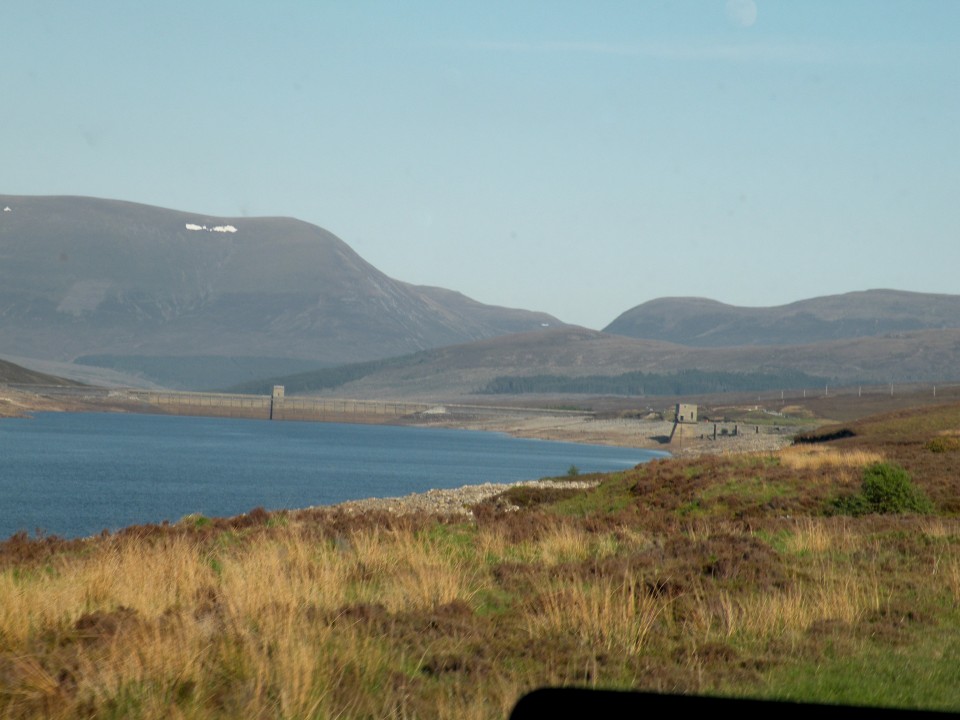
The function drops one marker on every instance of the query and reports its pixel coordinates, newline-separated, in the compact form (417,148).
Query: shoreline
(448,502)
(639,434)
(616,432)
(636,433)
(631,433)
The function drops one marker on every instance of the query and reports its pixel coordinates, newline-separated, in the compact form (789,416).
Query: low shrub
(823,435)
(525,496)
(886,489)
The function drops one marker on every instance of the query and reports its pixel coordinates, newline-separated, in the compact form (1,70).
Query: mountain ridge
(701,322)
(86,276)
(193,301)
(469,370)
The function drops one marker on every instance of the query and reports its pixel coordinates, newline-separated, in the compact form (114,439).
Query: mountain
(193,298)
(136,294)
(576,360)
(700,322)
(12,374)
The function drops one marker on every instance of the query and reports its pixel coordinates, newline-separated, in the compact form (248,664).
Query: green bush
(886,489)
(573,471)
(889,489)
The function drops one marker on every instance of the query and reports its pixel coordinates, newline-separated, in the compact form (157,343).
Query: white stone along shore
(618,432)
(453,501)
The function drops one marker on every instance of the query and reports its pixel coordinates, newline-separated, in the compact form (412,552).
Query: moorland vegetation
(745,575)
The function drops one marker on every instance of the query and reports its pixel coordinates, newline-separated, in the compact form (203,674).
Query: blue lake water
(76,474)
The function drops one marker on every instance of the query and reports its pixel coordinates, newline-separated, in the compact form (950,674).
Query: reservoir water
(76,474)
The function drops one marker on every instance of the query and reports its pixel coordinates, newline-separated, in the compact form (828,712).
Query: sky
(576,158)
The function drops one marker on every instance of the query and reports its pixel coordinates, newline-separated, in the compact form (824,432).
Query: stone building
(686,413)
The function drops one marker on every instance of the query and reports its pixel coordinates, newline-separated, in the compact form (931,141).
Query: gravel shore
(619,432)
(454,501)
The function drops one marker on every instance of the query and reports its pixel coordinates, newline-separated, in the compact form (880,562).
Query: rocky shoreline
(450,502)
(624,433)
(20,404)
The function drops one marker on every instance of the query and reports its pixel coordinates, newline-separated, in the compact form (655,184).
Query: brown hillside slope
(706,323)
(464,370)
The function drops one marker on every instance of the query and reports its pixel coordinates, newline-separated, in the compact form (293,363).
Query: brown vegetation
(710,575)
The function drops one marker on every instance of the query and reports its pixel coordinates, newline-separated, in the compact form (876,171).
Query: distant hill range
(679,346)
(580,361)
(112,292)
(189,300)
(699,322)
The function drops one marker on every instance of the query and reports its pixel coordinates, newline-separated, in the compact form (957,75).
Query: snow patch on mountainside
(215,228)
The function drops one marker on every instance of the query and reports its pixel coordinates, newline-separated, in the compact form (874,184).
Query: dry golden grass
(402,569)
(822,535)
(831,597)
(941,528)
(951,578)
(563,543)
(796,411)
(382,618)
(285,572)
(945,567)
(255,624)
(32,681)
(616,615)
(249,617)
(147,579)
(821,457)
(262,628)
(783,613)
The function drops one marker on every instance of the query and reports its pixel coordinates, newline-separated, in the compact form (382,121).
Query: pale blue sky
(573,157)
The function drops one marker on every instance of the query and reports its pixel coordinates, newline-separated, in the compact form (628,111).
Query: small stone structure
(276,400)
(686,413)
